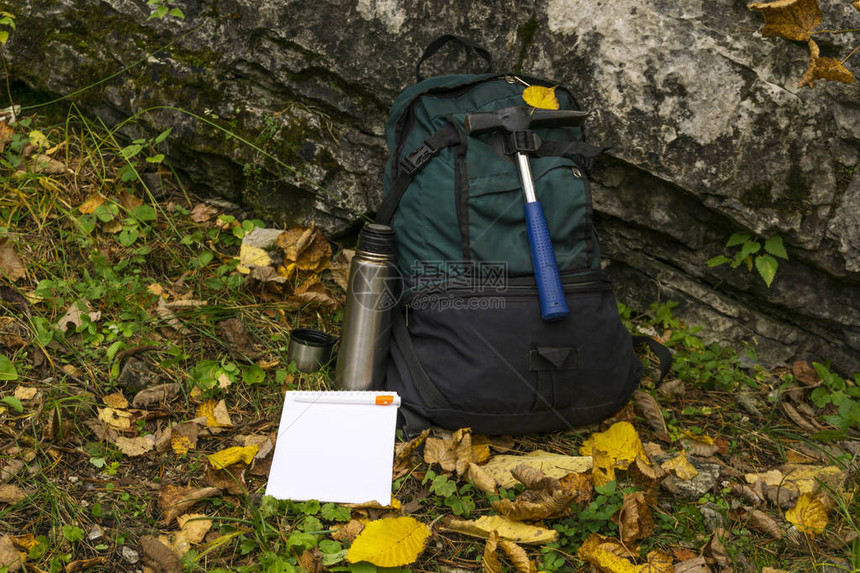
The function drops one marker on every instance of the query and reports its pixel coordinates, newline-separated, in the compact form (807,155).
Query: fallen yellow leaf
(552,465)
(516,531)
(791,19)
(389,542)
(252,256)
(215,413)
(233,455)
(681,466)
(115,418)
(541,97)
(616,448)
(808,515)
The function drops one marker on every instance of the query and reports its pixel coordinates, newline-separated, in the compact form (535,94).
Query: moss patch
(526,37)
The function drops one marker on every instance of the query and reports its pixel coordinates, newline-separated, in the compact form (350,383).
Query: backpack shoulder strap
(412,164)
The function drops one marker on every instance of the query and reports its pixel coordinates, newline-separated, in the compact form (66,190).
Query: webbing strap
(412,164)
(430,395)
(568,149)
(664,355)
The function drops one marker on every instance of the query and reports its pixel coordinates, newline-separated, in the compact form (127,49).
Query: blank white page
(334,446)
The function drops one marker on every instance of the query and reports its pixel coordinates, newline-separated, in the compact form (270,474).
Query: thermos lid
(376,238)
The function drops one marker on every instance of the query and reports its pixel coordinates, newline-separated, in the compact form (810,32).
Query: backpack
(469,347)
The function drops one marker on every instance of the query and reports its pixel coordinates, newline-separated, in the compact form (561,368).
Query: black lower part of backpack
(487,361)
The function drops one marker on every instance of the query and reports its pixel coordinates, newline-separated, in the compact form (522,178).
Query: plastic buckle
(524,141)
(416,160)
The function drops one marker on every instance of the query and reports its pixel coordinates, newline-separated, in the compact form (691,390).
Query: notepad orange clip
(384,400)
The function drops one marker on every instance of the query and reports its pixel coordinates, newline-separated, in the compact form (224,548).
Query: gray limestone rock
(281,105)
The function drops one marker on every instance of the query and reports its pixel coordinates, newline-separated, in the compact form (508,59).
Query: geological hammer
(516,121)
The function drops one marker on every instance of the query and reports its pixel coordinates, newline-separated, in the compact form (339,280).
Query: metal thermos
(373,290)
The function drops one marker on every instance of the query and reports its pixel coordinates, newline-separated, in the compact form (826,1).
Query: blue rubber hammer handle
(553,305)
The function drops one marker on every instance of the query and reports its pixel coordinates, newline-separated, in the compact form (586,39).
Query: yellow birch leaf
(541,97)
(516,531)
(856,5)
(808,515)
(233,455)
(606,554)
(389,542)
(658,562)
(215,413)
(681,466)
(829,69)
(616,448)
(252,256)
(791,19)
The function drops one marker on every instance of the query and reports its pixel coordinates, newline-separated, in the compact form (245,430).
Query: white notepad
(335,446)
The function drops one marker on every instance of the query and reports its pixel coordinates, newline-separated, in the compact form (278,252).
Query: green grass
(112,260)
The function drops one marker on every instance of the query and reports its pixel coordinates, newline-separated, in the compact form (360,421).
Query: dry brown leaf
(92,203)
(762,522)
(693,565)
(6,134)
(215,413)
(715,548)
(305,249)
(311,560)
(453,454)
(183,437)
(236,336)
(634,519)
(25,393)
(202,213)
(403,452)
(231,478)
(133,447)
(808,424)
(159,556)
(544,497)
(10,264)
(856,5)
(348,531)
(791,19)
(193,529)
(648,408)
(84,564)
(9,556)
(552,465)
(173,500)
(116,401)
(74,314)
(518,557)
(820,68)
(490,561)
(119,419)
(46,165)
(155,395)
(699,445)
(803,371)
(480,479)
(507,529)
(11,494)
(312,292)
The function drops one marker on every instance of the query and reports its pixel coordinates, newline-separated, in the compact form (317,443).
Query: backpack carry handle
(436,44)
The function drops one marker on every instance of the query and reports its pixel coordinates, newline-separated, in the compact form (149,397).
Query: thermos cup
(373,290)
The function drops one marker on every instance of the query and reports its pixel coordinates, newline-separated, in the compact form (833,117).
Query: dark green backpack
(469,347)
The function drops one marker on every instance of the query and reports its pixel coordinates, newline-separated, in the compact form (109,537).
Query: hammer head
(519,118)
